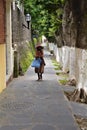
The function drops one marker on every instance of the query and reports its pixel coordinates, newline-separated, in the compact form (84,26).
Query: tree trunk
(66,36)
(66,24)
(59,55)
(72,67)
(66,59)
(82,63)
(79,11)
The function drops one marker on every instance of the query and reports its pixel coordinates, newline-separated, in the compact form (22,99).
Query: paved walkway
(78,109)
(27,104)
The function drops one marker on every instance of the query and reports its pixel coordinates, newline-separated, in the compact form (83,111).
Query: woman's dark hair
(39,49)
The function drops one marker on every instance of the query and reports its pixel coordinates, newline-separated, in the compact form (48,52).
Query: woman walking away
(39,54)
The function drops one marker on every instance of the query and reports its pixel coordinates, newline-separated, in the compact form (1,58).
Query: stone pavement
(79,109)
(27,104)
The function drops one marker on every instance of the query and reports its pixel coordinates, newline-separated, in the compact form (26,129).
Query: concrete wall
(2,67)
(9,49)
(2,46)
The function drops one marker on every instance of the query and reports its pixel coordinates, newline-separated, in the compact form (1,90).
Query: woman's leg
(39,76)
(40,71)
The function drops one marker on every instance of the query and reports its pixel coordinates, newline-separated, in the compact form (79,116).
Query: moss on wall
(27,57)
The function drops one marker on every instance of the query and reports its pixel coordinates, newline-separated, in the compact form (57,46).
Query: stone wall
(20,33)
(21,36)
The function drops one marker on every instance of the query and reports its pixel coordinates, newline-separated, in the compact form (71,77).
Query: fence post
(16,64)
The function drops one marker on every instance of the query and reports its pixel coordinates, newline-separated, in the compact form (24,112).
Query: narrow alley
(27,104)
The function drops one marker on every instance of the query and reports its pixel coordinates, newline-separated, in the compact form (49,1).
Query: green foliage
(56,64)
(57,73)
(27,57)
(26,61)
(63,81)
(34,40)
(46,16)
(62,77)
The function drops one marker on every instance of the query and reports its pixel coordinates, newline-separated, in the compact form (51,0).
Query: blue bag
(36,63)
